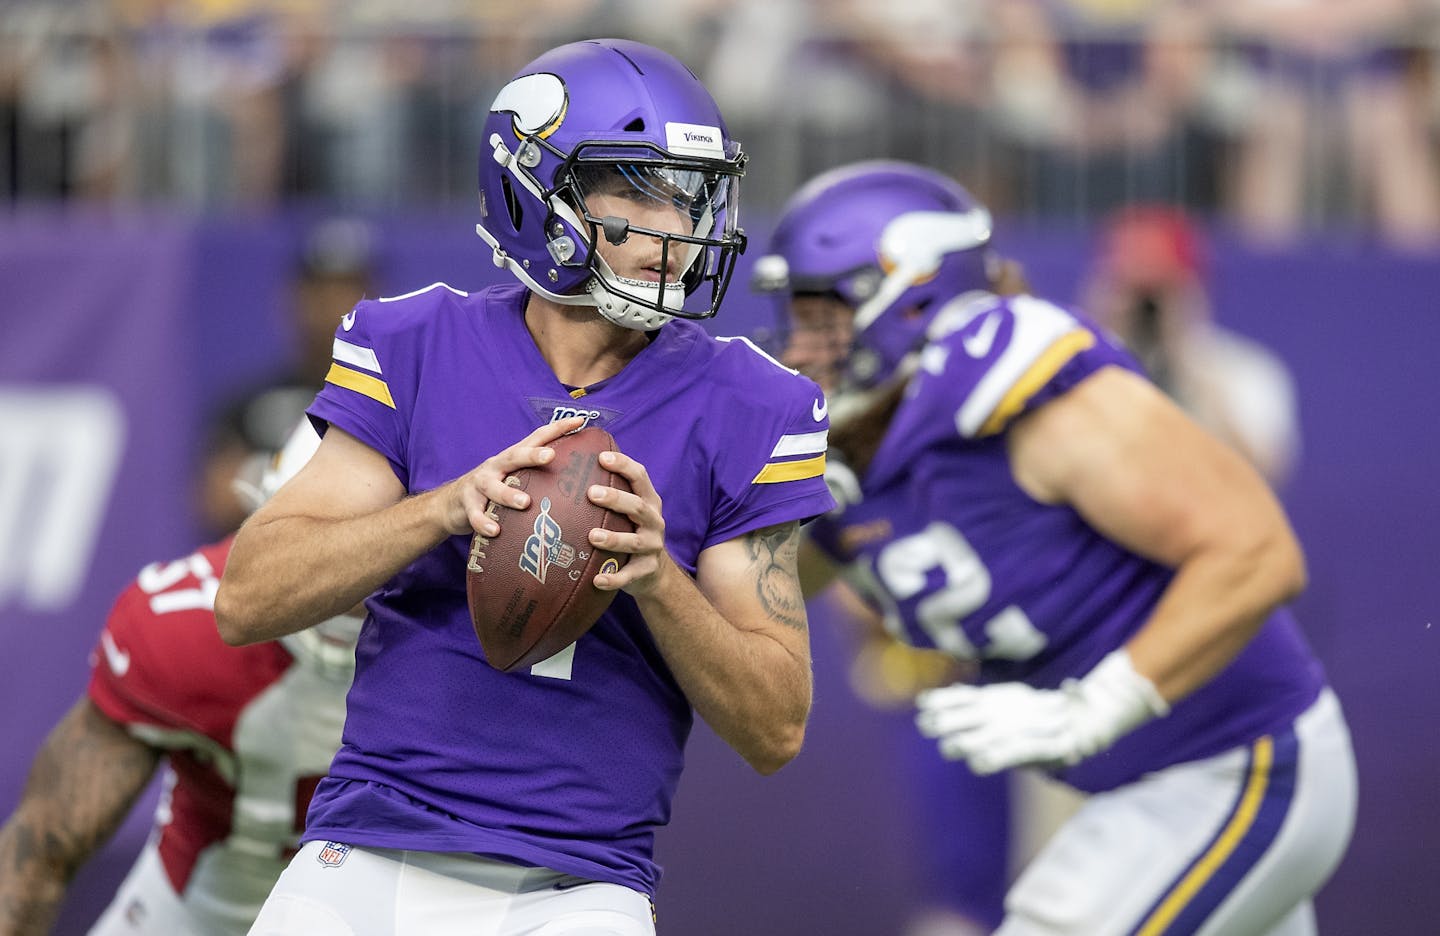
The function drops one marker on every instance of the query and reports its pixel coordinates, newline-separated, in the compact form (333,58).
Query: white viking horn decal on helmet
(537,103)
(912,248)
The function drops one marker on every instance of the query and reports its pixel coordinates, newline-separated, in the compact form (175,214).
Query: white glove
(1011,724)
(843,484)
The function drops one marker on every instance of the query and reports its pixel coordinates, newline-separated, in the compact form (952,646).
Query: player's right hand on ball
(470,495)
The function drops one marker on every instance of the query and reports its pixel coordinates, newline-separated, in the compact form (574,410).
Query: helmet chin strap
(629,303)
(891,288)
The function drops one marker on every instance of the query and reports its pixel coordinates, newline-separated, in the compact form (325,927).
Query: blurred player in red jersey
(244,734)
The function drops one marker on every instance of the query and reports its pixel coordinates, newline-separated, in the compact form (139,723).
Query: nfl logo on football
(333,854)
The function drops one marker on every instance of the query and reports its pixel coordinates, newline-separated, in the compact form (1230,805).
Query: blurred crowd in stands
(1280,116)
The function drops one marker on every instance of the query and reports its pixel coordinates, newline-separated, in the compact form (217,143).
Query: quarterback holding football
(470,796)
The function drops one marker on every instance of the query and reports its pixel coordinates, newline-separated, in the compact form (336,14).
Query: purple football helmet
(613,117)
(892,240)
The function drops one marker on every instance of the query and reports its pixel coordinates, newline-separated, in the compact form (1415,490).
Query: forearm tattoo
(774,553)
(81,786)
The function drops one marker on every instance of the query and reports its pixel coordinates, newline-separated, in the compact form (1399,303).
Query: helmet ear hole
(513,208)
(636,126)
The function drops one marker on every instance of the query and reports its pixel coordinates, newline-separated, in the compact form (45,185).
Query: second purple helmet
(894,241)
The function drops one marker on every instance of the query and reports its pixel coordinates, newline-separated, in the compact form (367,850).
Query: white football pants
(146,903)
(1234,845)
(353,891)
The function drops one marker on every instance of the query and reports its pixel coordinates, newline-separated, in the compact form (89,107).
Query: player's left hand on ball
(646,545)
(1011,724)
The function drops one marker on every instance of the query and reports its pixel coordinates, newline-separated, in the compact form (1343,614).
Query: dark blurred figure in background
(1149,287)
(960,879)
(334,270)
(236,448)
(66,86)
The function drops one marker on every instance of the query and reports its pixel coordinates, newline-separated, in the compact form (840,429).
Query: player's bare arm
(736,636)
(1146,476)
(774,553)
(746,667)
(84,780)
(344,526)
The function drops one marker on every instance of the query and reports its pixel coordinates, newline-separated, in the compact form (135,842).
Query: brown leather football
(530,587)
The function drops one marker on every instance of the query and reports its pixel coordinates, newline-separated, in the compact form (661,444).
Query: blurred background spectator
(859,79)
(1149,285)
(1099,103)
(66,100)
(334,269)
(1283,117)
(1294,120)
(1335,126)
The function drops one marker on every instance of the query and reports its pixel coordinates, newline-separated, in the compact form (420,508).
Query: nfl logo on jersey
(333,854)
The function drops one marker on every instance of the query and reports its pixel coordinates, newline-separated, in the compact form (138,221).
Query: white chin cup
(630,303)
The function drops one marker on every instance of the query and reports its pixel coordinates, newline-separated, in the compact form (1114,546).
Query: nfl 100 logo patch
(333,854)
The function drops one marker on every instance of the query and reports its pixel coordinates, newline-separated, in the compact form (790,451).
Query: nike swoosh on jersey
(978,344)
(347,321)
(118,660)
(820,409)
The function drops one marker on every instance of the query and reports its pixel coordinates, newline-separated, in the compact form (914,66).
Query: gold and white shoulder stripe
(348,367)
(795,457)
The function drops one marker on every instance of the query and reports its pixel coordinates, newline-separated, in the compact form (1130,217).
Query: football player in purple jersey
(1021,496)
(465,799)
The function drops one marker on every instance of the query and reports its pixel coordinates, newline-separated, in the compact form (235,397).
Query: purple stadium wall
(164,318)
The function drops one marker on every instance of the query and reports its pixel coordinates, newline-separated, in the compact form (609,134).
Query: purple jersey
(960,558)
(572,764)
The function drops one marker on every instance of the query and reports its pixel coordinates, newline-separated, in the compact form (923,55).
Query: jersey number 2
(904,568)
